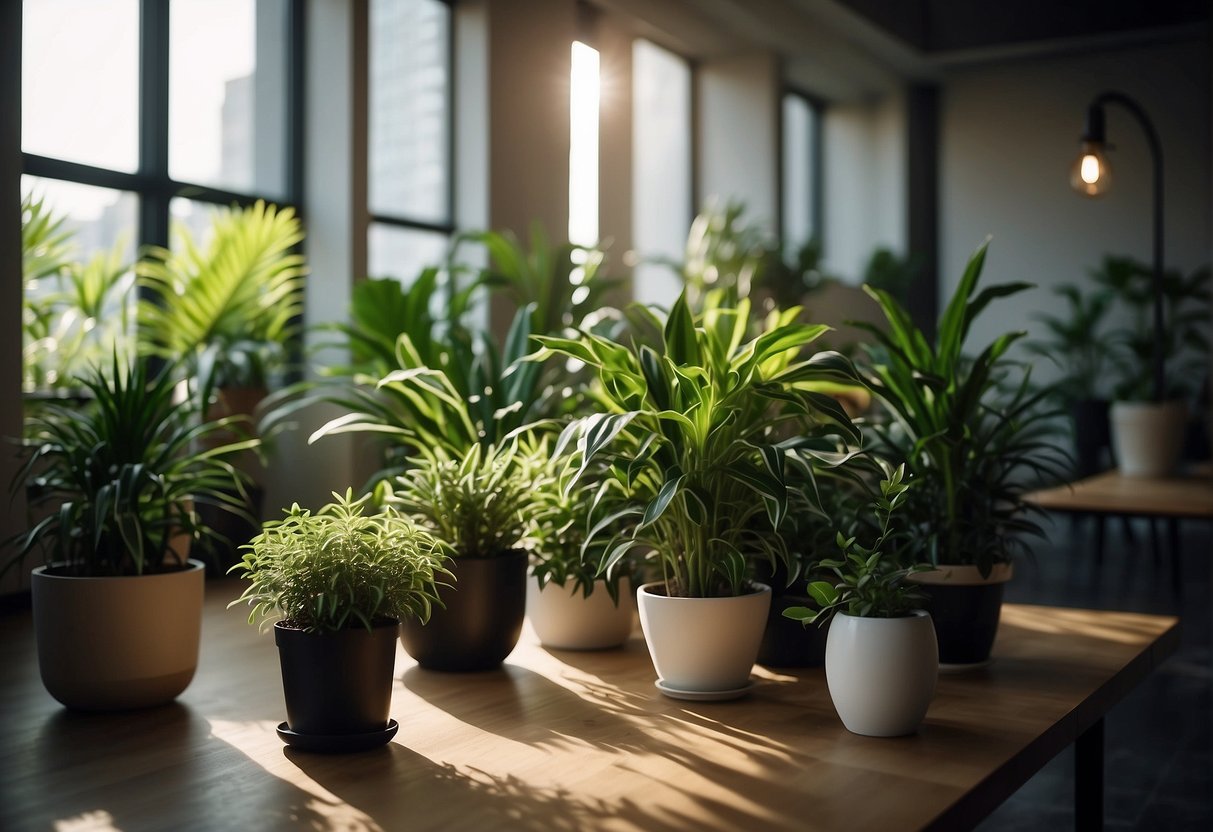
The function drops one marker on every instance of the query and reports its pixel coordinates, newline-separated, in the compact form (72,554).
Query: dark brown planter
(337,683)
(788,643)
(965,609)
(481,621)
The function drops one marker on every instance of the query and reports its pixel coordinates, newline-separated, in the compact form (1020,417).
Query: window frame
(150,183)
(817,106)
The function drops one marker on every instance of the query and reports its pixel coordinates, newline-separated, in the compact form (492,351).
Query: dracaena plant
(973,439)
(869,580)
(479,502)
(342,566)
(700,427)
(124,473)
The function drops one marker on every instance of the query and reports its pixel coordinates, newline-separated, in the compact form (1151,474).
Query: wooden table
(1187,496)
(569,741)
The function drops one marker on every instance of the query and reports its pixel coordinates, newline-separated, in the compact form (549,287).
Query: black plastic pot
(1092,434)
(337,683)
(966,619)
(788,643)
(482,620)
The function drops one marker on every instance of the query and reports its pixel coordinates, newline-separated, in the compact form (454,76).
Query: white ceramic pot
(1148,437)
(703,644)
(108,644)
(881,672)
(564,619)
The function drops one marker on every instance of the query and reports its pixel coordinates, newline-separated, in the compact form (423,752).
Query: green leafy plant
(1186,304)
(700,427)
(891,273)
(1077,343)
(973,441)
(124,474)
(870,579)
(341,567)
(479,502)
(74,313)
(566,509)
(226,310)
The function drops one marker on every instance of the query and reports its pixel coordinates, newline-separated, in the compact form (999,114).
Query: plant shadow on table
(421,793)
(82,755)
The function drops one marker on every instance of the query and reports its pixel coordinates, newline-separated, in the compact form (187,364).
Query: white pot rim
(956,574)
(878,622)
(1139,405)
(647,590)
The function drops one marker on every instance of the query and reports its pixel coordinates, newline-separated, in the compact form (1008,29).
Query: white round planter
(881,672)
(109,644)
(564,619)
(703,644)
(1148,437)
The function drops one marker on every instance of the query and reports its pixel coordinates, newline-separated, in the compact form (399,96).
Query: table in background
(1186,496)
(572,741)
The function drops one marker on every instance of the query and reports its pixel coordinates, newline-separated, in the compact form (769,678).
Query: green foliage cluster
(228,308)
(480,502)
(74,313)
(699,427)
(341,567)
(870,579)
(124,474)
(972,446)
(1078,343)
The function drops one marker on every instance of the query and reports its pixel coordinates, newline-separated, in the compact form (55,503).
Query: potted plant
(340,581)
(1149,415)
(697,429)
(1078,344)
(973,442)
(570,605)
(881,656)
(480,505)
(117,605)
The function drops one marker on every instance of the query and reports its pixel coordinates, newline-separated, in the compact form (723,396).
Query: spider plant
(124,474)
(700,428)
(972,439)
(226,310)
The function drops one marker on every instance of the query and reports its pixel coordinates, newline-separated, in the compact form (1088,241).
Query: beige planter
(107,644)
(1148,437)
(564,619)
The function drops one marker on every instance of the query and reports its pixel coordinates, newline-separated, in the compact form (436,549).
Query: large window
(140,113)
(801,186)
(661,178)
(409,130)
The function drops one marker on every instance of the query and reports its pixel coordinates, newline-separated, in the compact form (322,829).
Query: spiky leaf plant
(125,472)
(341,567)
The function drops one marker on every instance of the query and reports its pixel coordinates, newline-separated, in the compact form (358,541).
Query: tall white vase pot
(704,645)
(1147,437)
(881,672)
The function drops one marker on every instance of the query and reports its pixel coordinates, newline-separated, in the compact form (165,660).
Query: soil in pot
(965,609)
(482,619)
(337,683)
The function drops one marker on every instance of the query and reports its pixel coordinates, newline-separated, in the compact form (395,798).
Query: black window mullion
(153,122)
(419,225)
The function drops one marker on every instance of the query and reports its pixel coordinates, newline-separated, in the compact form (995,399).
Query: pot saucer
(703,695)
(337,743)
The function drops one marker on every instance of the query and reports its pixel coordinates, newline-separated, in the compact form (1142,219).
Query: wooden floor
(560,741)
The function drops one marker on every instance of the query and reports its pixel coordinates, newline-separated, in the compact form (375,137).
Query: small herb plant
(567,510)
(341,568)
(480,503)
(870,579)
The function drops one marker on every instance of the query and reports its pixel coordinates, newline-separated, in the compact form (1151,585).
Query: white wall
(864,153)
(1009,135)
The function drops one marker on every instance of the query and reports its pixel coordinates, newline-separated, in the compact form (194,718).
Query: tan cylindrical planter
(564,619)
(107,644)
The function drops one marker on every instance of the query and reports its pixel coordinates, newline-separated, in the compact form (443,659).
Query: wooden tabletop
(562,741)
(1189,495)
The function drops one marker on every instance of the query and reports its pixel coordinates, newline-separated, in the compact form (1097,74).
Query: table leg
(1088,779)
(1177,556)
